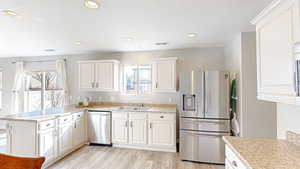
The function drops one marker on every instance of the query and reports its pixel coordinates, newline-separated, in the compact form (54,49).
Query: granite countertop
(68,110)
(265,153)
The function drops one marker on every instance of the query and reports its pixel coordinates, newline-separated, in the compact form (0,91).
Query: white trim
(266,11)
(98,61)
(146,147)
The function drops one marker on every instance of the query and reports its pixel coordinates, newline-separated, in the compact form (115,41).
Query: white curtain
(61,69)
(17,97)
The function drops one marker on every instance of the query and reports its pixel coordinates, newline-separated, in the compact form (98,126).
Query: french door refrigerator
(204,115)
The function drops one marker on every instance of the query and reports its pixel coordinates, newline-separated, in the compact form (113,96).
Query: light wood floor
(96,157)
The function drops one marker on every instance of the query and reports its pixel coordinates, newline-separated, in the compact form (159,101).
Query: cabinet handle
(234,164)
(126,123)
(75,126)
(48,125)
(131,124)
(150,125)
(156,85)
(161,117)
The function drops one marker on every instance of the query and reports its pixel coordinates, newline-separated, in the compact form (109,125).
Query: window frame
(137,92)
(43,90)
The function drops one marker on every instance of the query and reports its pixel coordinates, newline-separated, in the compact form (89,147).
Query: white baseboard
(59,157)
(145,147)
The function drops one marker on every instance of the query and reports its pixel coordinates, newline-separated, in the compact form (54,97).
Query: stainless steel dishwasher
(99,127)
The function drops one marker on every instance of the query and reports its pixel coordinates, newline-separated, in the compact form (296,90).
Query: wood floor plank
(98,157)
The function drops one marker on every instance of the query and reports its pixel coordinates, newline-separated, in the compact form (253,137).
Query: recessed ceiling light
(127,38)
(10,13)
(191,35)
(77,43)
(49,50)
(161,43)
(91,4)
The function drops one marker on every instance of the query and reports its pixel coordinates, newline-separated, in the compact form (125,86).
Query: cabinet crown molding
(266,11)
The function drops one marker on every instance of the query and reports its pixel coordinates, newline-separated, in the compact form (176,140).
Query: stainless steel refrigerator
(204,115)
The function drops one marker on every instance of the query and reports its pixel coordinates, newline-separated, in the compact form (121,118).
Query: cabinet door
(48,144)
(228,165)
(78,132)
(138,128)
(104,76)
(86,75)
(275,59)
(119,130)
(161,133)
(23,133)
(65,138)
(164,76)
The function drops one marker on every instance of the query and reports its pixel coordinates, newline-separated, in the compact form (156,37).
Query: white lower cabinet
(120,128)
(161,133)
(48,144)
(79,130)
(52,138)
(154,131)
(232,161)
(65,135)
(138,128)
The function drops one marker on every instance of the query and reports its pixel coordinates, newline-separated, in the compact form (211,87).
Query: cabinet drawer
(137,115)
(46,124)
(65,119)
(233,160)
(78,115)
(162,116)
(119,115)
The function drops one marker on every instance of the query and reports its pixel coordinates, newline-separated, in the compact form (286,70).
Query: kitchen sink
(134,108)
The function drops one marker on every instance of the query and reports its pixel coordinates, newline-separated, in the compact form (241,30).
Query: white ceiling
(59,24)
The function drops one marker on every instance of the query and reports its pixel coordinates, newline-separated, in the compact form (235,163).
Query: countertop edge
(73,110)
(227,142)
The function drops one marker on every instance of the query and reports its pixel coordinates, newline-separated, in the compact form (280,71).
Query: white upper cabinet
(101,75)
(277,30)
(86,75)
(164,75)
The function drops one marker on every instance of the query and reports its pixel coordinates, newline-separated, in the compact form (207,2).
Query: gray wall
(287,119)
(200,58)
(257,118)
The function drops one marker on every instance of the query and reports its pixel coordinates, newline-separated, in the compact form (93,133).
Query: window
(137,79)
(41,91)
